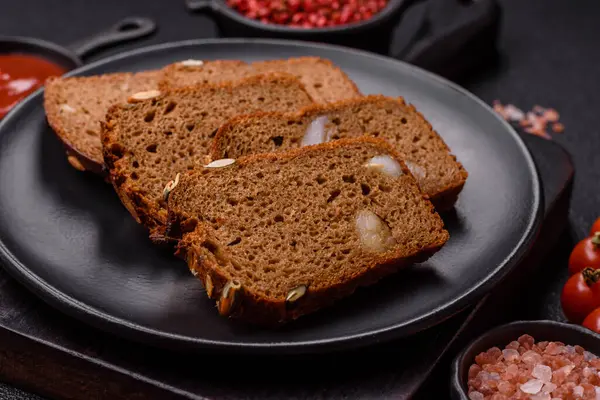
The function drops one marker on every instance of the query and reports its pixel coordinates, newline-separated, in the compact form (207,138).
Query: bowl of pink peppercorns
(358,23)
(537,360)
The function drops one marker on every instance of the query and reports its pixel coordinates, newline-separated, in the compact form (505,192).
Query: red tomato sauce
(21,75)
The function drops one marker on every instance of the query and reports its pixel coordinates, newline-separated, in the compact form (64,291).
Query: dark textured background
(550,56)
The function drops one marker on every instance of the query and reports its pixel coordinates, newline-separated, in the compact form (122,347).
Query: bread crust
(443,199)
(203,253)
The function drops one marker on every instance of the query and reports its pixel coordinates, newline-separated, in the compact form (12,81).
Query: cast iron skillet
(66,236)
(502,335)
(72,56)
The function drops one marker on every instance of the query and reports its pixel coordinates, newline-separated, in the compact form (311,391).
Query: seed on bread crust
(75,163)
(208,285)
(141,96)
(295,294)
(192,63)
(170,186)
(224,162)
(229,298)
(375,235)
(386,165)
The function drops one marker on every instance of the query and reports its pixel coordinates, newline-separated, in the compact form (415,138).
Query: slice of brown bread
(324,81)
(278,235)
(438,172)
(76,106)
(147,142)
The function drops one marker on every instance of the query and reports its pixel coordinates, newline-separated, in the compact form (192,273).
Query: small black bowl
(503,335)
(373,34)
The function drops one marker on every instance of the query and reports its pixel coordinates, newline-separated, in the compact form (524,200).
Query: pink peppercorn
(308,13)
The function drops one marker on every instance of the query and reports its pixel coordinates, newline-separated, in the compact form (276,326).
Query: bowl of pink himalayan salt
(537,360)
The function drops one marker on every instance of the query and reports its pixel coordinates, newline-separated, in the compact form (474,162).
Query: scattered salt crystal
(505,387)
(67,108)
(541,396)
(570,349)
(512,371)
(549,387)
(542,372)
(578,390)
(415,169)
(483,375)
(587,356)
(513,113)
(476,396)
(597,390)
(495,376)
(532,386)
(510,354)
(525,340)
(531,357)
(315,133)
(555,349)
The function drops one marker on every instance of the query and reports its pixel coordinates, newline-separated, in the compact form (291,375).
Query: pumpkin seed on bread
(148,141)
(275,236)
(323,80)
(75,107)
(438,172)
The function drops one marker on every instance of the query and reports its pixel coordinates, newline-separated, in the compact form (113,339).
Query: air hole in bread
(318,85)
(321,180)
(335,137)
(151,148)
(204,114)
(366,189)
(235,241)
(260,175)
(190,127)
(333,195)
(293,243)
(277,140)
(149,117)
(345,251)
(290,122)
(278,218)
(416,139)
(403,120)
(168,133)
(348,178)
(375,134)
(336,121)
(213,133)
(91,132)
(261,99)
(170,107)
(117,150)
(134,176)
(137,133)
(136,164)
(232,202)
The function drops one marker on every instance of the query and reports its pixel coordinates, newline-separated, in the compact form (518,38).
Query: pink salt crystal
(488,357)
(579,349)
(541,396)
(513,345)
(549,387)
(531,357)
(595,362)
(542,345)
(506,388)
(510,355)
(578,391)
(476,396)
(474,369)
(542,372)
(498,396)
(526,341)
(554,348)
(513,113)
(587,372)
(511,372)
(597,389)
(587,356)
(532,386)
(562,373)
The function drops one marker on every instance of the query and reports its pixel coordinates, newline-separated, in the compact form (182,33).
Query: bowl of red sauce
(25,64)
(364,24)
(540,360)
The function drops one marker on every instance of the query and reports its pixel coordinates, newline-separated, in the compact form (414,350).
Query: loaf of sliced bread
(438,172)
(76,106)
(275,236)
(157,135)
(324,81)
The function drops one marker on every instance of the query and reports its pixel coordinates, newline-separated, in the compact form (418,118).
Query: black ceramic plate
(66,236)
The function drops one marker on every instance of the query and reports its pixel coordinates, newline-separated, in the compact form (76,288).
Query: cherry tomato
(581,295)
(595,228)
(592,321)
(585,254)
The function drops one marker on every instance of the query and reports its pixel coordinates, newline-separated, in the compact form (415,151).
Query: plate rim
(143,334)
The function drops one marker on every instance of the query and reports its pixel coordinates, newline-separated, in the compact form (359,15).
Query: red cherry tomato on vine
(595,228)
(592,321)
(581,295)
(585,254)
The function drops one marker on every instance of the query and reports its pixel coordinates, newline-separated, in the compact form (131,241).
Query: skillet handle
(201,5)
(450,37)
(127,29)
